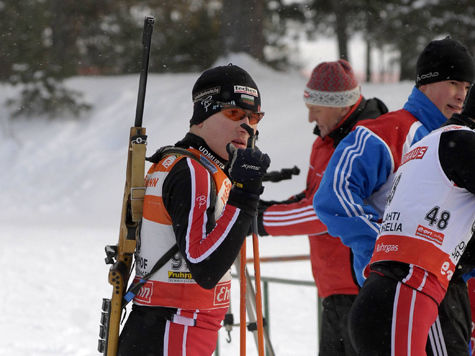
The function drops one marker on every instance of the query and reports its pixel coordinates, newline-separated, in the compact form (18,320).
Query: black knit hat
(445,59)
(229,85)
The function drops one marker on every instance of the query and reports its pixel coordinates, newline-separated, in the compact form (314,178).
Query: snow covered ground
(62,184)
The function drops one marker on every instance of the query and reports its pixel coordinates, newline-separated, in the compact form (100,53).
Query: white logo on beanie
(245,90)
(207,102)
(210,91)
(427,76)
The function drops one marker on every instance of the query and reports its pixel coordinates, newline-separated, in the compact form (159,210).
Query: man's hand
(246,167)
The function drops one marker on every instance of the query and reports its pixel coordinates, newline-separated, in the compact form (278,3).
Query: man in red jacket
(335,104)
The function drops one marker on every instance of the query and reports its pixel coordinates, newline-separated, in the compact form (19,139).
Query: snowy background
(62,184)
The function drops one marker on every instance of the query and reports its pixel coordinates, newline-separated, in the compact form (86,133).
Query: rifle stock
(121,255)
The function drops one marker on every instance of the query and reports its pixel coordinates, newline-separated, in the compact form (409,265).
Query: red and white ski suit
(186,300)
(428,222)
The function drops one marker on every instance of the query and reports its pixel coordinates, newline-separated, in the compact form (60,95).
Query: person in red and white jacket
(335,104)
(427,225)
(204,204)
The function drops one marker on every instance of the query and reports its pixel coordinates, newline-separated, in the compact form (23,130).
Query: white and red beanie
(332,84)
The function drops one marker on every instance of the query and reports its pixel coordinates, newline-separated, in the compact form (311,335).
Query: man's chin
(450,111)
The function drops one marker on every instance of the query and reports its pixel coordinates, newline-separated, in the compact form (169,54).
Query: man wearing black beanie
(445,59)
(357,183)
(201,196)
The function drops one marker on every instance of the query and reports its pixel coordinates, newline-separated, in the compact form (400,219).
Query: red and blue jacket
(352,194)
(330,259)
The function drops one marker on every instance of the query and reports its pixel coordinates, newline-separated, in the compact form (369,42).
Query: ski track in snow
(62,185)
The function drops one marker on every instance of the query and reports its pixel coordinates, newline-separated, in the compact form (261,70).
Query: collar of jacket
(192,140)
(424,110)
(346,124)
(460,119)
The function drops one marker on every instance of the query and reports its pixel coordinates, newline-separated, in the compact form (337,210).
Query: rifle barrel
(146,40)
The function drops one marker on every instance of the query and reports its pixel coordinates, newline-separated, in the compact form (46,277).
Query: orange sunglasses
(236,113)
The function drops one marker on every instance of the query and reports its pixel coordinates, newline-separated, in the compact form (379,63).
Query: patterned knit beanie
(332,84)
(445,59)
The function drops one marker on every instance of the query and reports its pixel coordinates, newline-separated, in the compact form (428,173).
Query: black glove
(264,204)
(246,167)
(260,224)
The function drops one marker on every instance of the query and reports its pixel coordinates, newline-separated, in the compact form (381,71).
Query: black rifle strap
(155,158)
(134,288)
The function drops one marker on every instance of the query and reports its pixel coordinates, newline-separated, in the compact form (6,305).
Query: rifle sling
(134,288)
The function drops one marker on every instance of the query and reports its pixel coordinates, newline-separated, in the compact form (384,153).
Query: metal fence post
(266,309)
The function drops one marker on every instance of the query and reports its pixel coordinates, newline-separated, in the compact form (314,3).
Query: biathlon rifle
(120,256)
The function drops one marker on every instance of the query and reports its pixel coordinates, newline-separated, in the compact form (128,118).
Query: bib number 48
(437,217)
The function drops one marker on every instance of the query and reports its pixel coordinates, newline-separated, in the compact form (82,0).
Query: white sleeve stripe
(218,241)
(410,137)
(205,216)
(290,222)
(289,212)
(320,233)
(342,172)
(192,207)
(341,183)
(290,216)
(371,224)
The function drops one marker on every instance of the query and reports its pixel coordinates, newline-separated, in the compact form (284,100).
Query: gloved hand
(264,204)
(246,167)
(261,230)
(261,207)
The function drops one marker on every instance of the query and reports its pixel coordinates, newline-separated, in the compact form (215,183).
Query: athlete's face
(447,95)
(327,118)
(218,130)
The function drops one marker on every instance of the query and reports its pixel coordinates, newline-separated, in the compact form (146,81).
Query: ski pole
(251,310)
(257,275)
(257,270)
(242,300)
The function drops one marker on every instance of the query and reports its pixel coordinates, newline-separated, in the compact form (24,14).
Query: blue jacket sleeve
(360,165)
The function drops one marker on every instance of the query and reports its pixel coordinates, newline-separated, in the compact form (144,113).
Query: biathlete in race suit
(203,204)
